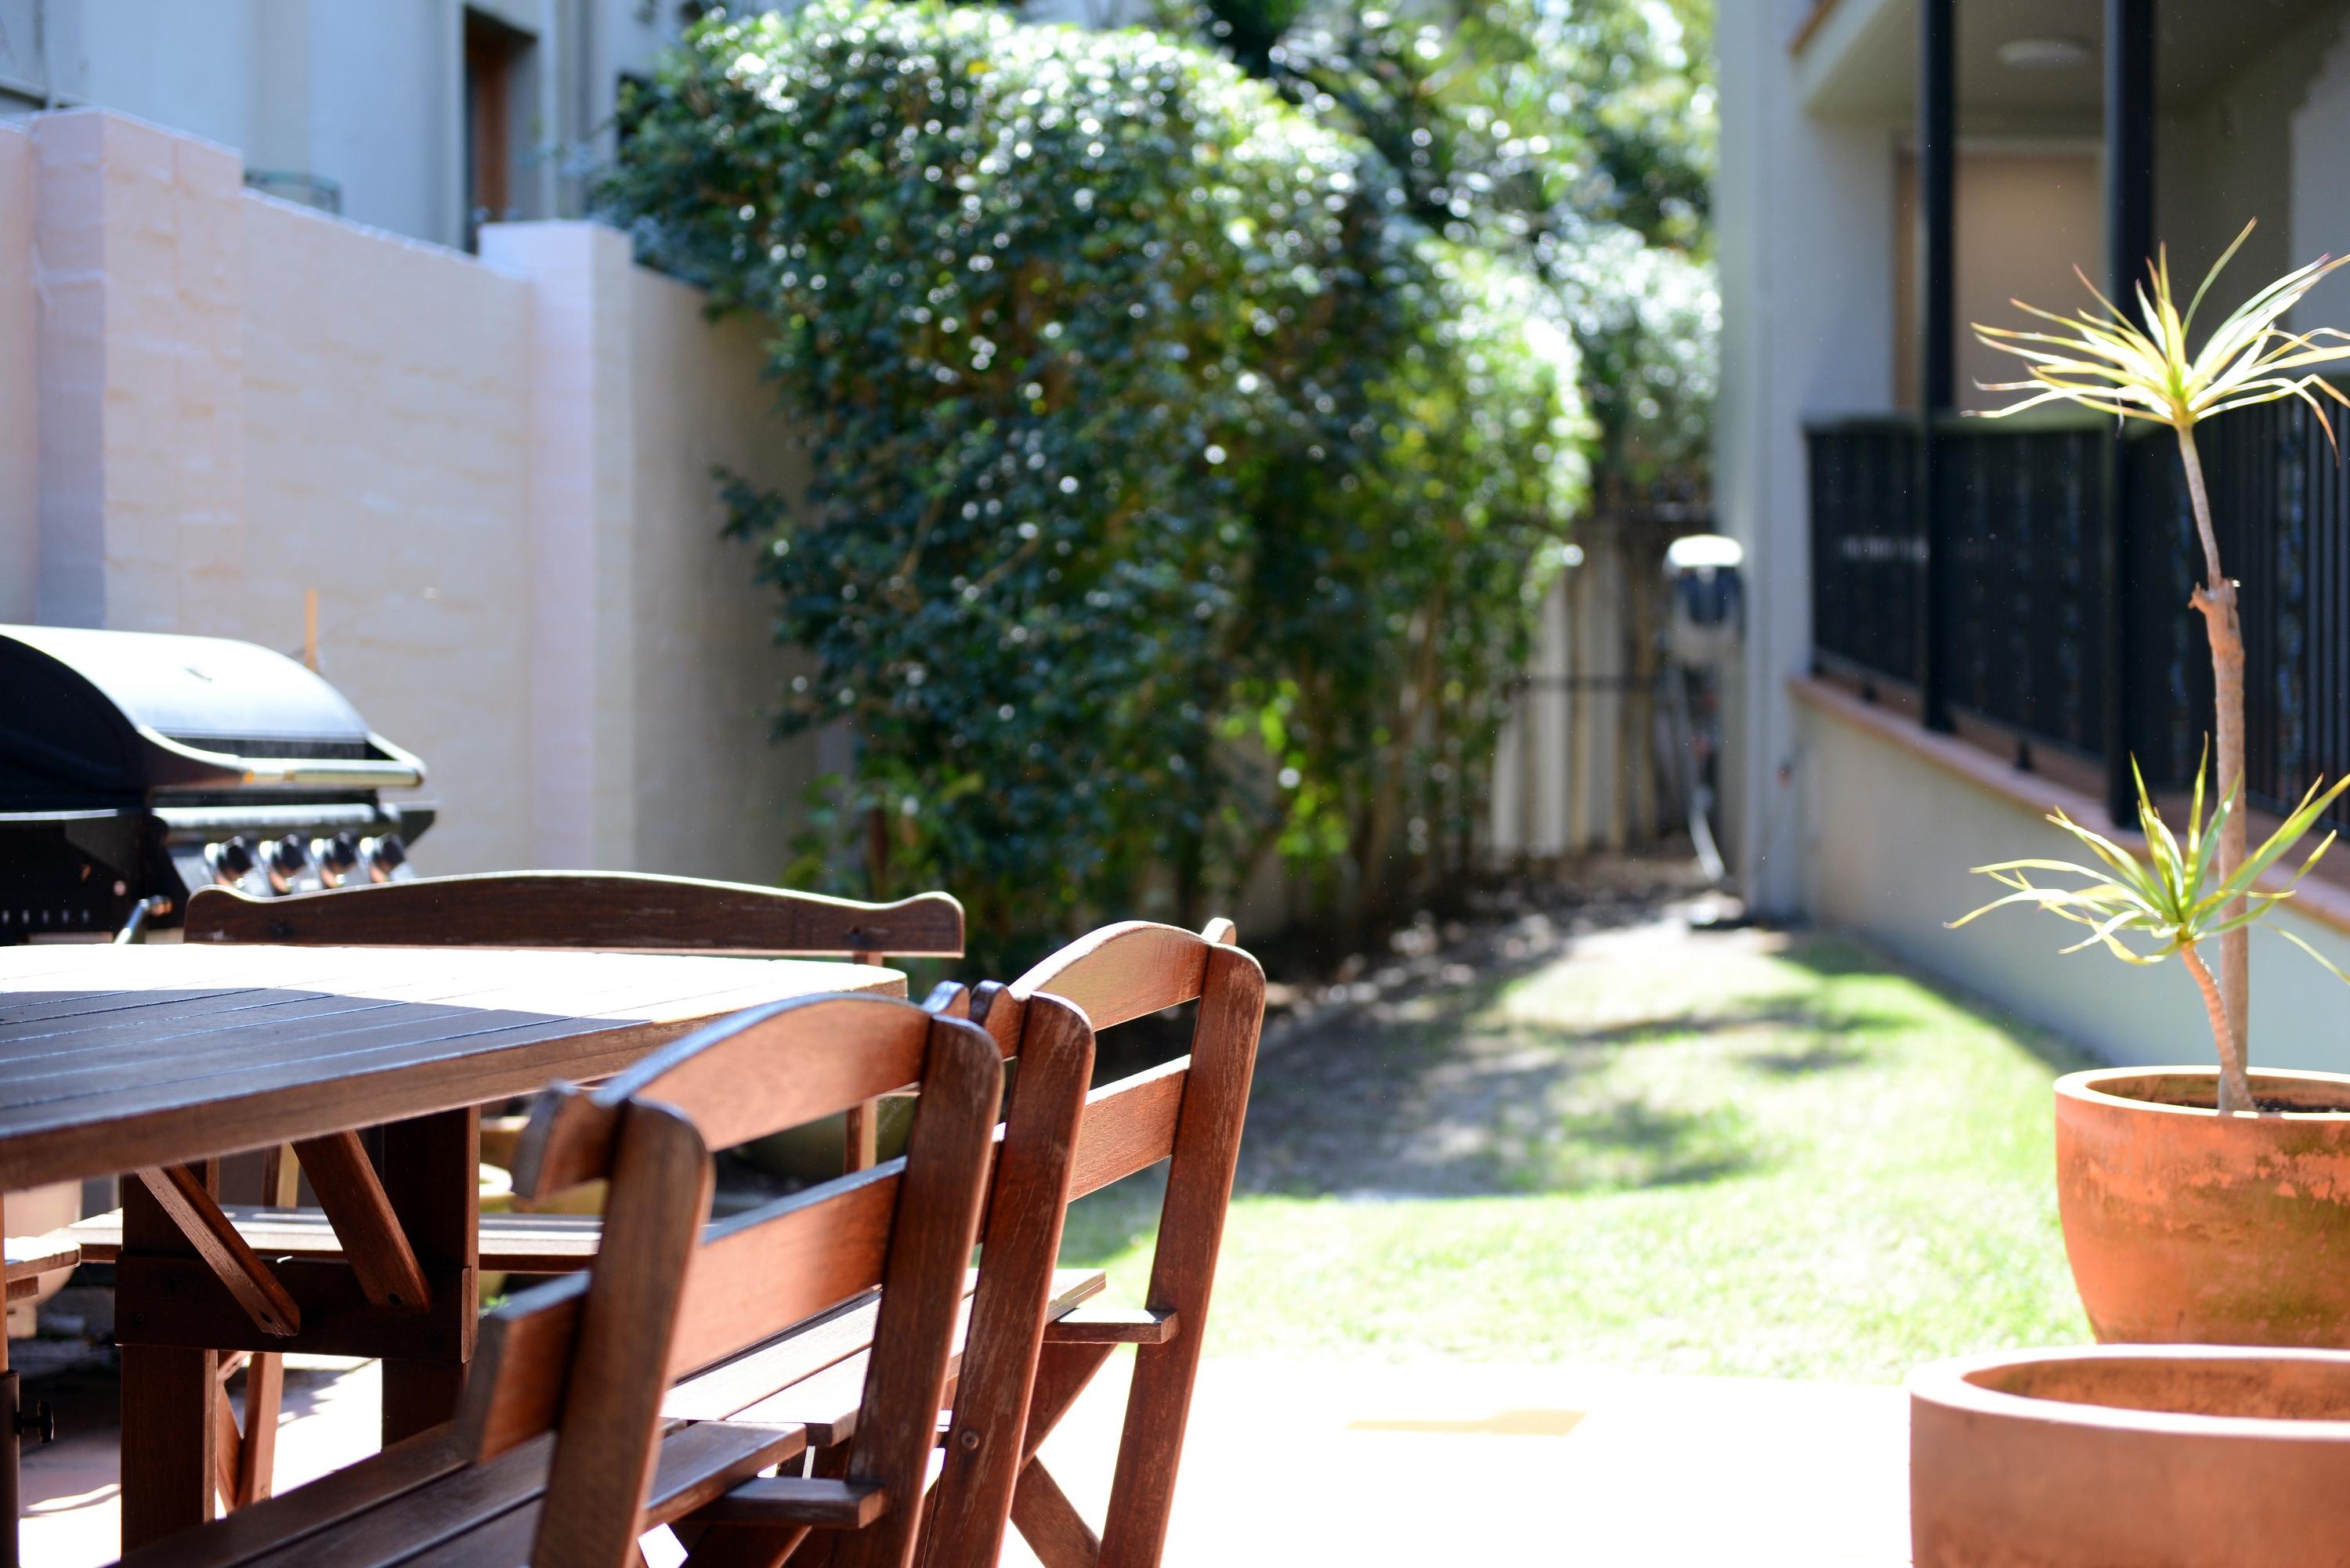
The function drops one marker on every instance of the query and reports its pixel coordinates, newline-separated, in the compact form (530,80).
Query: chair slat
(761,1273)
(1123,971)
(661,1181)
(1028,1206)
(1128,1125)
(947,1161)
(757,1073)
(1114,1325)
(815,1500)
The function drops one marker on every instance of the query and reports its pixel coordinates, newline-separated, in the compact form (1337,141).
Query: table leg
(168,1400)
(429,1174)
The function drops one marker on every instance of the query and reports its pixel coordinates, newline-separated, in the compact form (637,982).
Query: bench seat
(511,1243)
(29,1258)
(419,1503)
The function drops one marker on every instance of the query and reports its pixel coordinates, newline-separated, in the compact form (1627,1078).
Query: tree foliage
(1177,500)
(1575,135)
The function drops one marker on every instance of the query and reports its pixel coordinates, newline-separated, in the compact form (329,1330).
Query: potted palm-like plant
(2199,1205)
(2204,1206)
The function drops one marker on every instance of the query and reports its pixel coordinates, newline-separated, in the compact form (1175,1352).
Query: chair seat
(422,1498)
(511,1243)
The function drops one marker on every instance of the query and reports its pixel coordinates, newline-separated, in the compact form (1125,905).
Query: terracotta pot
(2185,1227)
(2127,1457)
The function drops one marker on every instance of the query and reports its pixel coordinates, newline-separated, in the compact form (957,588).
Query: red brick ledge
(2324,902)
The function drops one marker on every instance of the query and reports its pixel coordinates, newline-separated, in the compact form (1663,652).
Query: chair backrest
(589,1357)
(1190,1109)
(1028,1203)
(606,910)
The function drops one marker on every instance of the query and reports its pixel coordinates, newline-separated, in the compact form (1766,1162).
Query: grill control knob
(337,858)
(386,858)
(289,865)
(231,862)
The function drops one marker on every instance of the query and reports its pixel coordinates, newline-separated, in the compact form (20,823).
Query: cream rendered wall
(387,433)
(717,797)
(1888,837)
(1805,214)
(494,474)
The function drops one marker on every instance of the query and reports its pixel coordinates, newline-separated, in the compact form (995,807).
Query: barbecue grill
(136,767)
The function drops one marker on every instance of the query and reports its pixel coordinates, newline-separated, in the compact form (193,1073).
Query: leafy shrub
(1173,504)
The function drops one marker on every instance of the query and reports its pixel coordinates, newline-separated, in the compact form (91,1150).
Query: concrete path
(1323,1463)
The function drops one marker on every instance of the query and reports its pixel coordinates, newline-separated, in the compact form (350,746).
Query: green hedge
(1174,504)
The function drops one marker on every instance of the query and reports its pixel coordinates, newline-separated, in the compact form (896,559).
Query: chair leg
(257,1455)
(1041,1511)
(742,1546)
(245,1459)
(1063,1372)
(1050,1522)
(227,1447)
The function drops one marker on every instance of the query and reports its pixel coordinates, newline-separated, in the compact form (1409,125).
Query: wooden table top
(118,1058)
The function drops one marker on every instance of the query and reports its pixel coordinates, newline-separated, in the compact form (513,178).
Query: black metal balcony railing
(2026,611)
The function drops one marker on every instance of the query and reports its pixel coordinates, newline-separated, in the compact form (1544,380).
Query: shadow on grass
(1438,1090)
(1838,956)
(1452,1100)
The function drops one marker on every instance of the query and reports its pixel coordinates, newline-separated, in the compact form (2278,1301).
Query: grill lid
(199,687)
(83,709)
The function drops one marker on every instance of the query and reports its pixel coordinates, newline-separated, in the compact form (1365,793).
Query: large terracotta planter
(2185,1227)
(2127,1457)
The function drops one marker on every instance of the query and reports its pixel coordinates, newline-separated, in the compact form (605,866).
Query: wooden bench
(569,1447)
(619,911)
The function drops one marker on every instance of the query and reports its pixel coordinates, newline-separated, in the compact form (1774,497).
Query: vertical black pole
(1937,118)
(2129,240)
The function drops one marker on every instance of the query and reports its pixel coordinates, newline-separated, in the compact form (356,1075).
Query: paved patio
(1319,1462)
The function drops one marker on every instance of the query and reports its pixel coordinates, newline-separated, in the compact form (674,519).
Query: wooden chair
(1190,1109)
(566,1449)
(619,911)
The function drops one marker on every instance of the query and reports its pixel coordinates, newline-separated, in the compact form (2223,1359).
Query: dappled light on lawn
(1745,1153)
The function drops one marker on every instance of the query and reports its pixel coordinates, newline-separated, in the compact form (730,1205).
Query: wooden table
(145,1059)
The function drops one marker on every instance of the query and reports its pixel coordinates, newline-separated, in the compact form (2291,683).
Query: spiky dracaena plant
(2175,899)
(2103,360)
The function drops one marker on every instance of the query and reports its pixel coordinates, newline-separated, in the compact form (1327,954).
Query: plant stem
(2216,601)
(2235,1084)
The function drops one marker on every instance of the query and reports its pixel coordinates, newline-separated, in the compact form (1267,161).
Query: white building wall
(1889,839)
(368,94)
(1806,212)
(20,505)
(496,479)
(2320,138)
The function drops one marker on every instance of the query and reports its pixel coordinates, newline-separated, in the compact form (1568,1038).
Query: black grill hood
(93,718)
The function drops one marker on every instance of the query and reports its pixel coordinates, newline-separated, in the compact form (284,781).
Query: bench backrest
(608,909)
(616,911)
(1190,1110)
(590,1357)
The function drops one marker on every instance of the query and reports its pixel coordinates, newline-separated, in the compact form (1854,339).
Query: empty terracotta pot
(2185,1227)
(2131,1457)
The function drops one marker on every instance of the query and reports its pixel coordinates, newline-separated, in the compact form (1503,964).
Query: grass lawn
(1734,1154)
